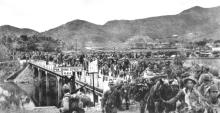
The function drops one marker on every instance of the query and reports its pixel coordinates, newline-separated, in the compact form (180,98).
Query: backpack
(76,105)
(73,102)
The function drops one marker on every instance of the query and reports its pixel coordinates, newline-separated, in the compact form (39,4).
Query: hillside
(4,54)
(23,39)
(191,24)
(7,30)
(202,22)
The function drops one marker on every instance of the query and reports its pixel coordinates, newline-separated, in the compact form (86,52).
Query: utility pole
(93,87)
(76,45)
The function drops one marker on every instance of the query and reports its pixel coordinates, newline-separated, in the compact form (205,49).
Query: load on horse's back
(163,89)
(71,101)
(139,90)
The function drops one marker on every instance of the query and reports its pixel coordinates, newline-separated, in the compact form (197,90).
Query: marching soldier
(206,82)
(70,102)
(213,102)
(191,97)
(65,101)
(110,99)
(206,74)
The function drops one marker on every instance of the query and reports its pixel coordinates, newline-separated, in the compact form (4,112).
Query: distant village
(201,48)
(162,48)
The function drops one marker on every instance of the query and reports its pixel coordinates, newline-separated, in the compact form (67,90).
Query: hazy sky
(42,15)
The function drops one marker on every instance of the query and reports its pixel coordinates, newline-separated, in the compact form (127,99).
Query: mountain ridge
(199,21)
(8,30)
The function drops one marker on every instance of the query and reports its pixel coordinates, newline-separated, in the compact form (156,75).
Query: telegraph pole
(93,87)
(76,45)
(92,70)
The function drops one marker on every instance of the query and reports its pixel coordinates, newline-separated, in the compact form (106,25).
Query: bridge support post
(135,54)
(93,87)
(73,82)
(97,75)
(58,90)
(40,88)
(47,88)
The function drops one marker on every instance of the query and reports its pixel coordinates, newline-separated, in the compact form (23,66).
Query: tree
(32,46)
(3,52)
(217,41)
(201,43)
(49,47)
(24,38)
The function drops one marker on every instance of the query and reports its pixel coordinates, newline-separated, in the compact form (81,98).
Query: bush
(214,72)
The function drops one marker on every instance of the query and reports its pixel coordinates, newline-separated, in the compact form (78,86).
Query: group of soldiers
(198,93)
(198,90)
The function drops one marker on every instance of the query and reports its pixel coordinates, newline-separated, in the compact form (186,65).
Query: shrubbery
(29,43)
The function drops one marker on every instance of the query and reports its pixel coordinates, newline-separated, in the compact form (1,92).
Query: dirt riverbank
(6,69)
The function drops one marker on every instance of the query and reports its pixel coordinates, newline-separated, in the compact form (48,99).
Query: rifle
(73,92)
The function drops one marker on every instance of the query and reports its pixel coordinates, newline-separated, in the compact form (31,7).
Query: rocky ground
(133,109)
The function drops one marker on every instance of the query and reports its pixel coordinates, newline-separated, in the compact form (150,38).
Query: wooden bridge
(45,72)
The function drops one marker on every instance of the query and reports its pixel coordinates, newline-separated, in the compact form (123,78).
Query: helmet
(206,68)
(213,88)
(190,78)
(125,81)
(206,77)
(66,88)
(111,82)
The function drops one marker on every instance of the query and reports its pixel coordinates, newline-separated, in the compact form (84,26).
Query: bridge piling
(47,88)
(73,82)
(58,90)
(40,89)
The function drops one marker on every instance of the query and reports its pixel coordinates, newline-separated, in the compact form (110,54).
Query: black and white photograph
(109,56)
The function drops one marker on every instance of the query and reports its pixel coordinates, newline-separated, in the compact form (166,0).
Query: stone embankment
(25,76)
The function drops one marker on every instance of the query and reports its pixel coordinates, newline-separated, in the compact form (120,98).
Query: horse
(139,92)
(163,90)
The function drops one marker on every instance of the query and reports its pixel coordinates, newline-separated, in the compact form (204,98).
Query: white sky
(42,15)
